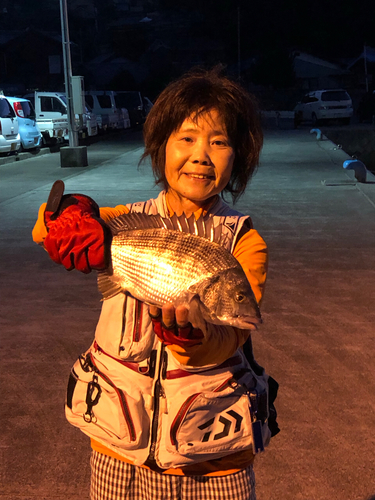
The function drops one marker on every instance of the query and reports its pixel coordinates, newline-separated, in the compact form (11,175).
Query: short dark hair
(192,95)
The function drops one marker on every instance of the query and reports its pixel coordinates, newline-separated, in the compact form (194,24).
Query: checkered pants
(113,479)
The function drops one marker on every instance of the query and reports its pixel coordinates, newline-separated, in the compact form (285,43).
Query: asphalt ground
(317,339)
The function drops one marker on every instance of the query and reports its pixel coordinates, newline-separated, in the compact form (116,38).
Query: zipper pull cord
(93,394)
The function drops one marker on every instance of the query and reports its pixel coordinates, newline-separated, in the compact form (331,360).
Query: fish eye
(240,297)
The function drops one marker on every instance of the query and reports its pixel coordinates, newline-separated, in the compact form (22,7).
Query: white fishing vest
(129,393)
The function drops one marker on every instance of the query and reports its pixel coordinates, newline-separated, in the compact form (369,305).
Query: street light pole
(73,133)
(239,41)
(365,61)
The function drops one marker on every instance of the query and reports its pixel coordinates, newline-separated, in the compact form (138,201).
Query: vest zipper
(138,309)
(123,322)
(158,393)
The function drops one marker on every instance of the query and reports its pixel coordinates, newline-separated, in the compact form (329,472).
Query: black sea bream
(157,260)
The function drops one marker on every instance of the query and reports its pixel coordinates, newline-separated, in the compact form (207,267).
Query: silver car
(9,137)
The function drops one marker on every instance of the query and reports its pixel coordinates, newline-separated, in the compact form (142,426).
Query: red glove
(187,336)
(77,237)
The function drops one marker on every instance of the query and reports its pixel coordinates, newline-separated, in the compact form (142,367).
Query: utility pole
(73,133)
(365,60)
(74,155)
(239,40)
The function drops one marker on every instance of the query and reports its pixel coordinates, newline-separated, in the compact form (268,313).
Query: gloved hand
(77,238)
(183,336)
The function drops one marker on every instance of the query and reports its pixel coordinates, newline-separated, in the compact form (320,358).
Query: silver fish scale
(158,265)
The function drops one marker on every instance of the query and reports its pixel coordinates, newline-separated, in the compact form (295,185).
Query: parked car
(50,111)
(89,125)
(9,135)
(147,104)
(133,102)
(90,122)
(30,134)
(109,115)
(323,105)
(53,105)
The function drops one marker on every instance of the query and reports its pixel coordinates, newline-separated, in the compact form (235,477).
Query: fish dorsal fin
(183,223)
(177,223)
(203,226)
(222,239)
(134,220)
(190,225)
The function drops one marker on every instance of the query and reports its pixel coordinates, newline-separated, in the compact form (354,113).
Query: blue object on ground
(359,168)
(318,133)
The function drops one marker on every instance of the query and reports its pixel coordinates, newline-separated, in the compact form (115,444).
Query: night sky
(326,28)
(269,31)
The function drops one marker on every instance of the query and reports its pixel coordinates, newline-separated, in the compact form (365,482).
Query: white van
(109,116)
(133,102)
(53,106)
(51,117)
(324,105)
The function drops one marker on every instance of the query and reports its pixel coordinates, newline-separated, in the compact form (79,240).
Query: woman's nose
(200,154)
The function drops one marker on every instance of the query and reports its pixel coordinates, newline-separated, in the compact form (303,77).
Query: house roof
(370,57)
(303,56)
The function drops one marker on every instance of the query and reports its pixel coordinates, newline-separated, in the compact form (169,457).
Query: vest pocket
(103,410)
(213,423)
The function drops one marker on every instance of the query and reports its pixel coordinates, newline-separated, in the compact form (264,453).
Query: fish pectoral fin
(195,288)
(107,287)
(198,287)
(197,311)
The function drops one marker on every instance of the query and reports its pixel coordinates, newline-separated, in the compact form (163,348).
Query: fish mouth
(246,322)
(242,322)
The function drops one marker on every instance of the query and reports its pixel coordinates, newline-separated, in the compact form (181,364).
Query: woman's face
(199,159)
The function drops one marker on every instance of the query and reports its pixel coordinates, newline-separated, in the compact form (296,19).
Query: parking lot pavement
(317,339)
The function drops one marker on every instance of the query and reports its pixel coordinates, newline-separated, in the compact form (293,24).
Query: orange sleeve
(39,230)
(221,342)
(251,252)
(108,213)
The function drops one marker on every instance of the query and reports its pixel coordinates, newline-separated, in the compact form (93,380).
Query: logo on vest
(231,225)
(223,424)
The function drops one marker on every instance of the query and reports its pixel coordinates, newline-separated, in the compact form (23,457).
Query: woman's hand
(172,326)
(77,238)
(171,315)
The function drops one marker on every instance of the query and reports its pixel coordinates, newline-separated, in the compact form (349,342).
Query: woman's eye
(219,142)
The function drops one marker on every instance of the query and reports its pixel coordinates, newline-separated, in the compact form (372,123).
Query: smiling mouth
(200,176)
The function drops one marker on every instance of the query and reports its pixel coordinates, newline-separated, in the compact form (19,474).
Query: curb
(23,156)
